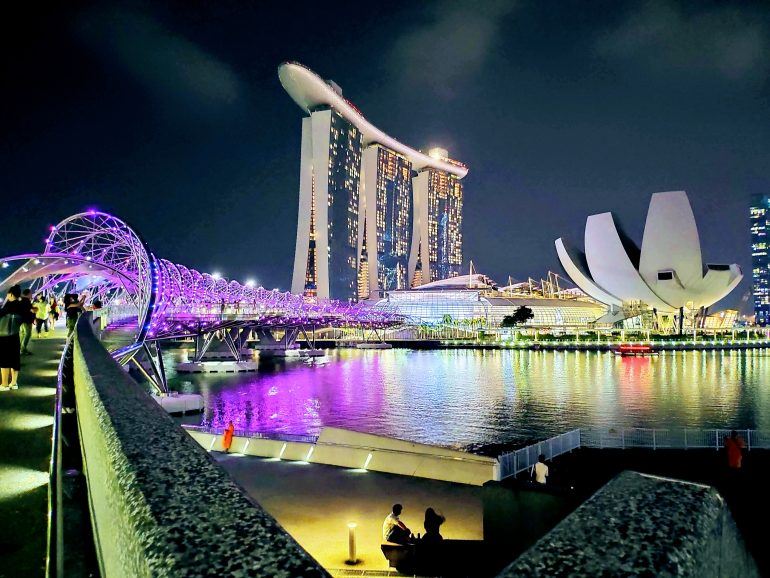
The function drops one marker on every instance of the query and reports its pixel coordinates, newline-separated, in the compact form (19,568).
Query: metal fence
(283,437)
(669,438)
(520,460)
(523,459)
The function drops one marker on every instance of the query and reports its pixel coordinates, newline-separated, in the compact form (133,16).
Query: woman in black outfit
(432,524)
(10,345)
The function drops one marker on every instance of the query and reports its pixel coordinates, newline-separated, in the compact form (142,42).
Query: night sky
(172,117)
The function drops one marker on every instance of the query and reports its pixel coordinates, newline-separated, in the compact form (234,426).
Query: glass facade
(345,146)
(445,214)
(394,219)
(485,310)
(760,272)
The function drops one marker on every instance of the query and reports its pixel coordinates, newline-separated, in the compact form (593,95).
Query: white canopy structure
(666,275)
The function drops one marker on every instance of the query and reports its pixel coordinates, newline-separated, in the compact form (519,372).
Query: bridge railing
(160,506)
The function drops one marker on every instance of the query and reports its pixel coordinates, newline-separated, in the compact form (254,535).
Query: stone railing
(642,525)
(160,505)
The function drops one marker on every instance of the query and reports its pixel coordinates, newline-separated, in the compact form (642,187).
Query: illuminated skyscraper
(439,234)
(388,186)
(356,182)
(760,263)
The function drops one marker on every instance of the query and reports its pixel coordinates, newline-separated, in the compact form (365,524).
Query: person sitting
(541,470)
(432,524)
(393,529)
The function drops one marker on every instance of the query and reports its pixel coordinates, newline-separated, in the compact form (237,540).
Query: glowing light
(216,275)
(250,282)
(309,453)
(368,459)
(283,449)
(438,153)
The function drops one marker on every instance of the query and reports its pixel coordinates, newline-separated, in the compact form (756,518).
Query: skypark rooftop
(310,91)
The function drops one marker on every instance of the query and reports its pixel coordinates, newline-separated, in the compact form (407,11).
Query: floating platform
(246,353)
(180,402)
(379,345)
(217,367)
(312,352)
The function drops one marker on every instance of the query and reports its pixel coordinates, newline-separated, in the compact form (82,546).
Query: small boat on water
(633,350)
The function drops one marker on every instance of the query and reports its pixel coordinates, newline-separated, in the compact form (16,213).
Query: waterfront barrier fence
(517,461)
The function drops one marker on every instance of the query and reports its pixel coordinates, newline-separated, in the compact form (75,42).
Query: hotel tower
(374,214)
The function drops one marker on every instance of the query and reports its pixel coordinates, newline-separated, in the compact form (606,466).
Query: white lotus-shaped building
(666,275)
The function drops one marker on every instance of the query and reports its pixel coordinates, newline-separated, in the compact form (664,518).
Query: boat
(634,350)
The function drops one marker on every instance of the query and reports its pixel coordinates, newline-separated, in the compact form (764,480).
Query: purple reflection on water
(298,398)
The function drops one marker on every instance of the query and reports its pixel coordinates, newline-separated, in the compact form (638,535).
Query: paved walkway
(315,502)
(26,419)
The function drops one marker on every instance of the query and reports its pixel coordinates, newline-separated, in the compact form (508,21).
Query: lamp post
(351,544)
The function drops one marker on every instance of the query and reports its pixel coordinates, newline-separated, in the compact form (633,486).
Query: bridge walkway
(26,422)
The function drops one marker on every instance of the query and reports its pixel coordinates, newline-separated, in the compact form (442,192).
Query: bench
(445,558)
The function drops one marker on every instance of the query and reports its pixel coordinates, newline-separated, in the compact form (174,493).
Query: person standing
(541,470)
(41,314)
(73,308)
(27,320)
(734,446)
(11,316)
(53,311)
(227,439)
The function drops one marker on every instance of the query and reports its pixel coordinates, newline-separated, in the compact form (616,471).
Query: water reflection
(463,397)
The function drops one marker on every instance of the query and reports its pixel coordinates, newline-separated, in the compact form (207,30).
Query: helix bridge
(153,300)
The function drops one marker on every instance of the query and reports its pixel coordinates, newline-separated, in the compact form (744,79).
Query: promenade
(26,421)
(315,502)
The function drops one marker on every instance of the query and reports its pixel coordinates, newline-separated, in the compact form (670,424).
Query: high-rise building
(357,183)
(760,263)
(439,235)
(389,214)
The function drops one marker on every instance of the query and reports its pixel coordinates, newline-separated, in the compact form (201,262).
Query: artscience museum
(665,282)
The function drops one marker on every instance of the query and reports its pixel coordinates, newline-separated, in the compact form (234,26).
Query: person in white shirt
(541,470)
(393,529)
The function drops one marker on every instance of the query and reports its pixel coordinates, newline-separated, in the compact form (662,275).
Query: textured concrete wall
(160,506)
(641,525)
(349,449)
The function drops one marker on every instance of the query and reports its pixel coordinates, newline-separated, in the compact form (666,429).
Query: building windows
(760,261)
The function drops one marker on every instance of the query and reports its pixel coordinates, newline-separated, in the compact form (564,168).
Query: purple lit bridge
(153,300)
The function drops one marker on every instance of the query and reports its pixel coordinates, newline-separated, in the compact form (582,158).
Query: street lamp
(216,275)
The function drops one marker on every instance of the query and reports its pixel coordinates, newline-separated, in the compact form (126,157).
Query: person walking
(227,439)
(27,320)
(41,314)
(53,311)
(11,317)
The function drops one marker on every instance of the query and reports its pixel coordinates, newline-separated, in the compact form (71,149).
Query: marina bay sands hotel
(374,214)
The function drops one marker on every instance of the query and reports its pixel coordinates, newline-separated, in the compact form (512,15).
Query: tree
(520,316)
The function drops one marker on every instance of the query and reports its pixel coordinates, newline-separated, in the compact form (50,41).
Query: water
(467,398)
